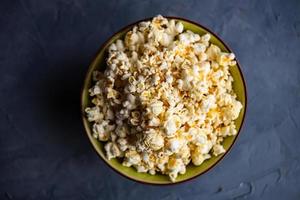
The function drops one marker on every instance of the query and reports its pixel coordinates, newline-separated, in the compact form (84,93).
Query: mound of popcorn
(165,99)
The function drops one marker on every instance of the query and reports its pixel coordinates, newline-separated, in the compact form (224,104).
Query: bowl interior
(192,171)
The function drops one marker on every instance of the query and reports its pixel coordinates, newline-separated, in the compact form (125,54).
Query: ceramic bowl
(192,171)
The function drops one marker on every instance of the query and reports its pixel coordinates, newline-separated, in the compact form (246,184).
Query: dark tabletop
(45,50)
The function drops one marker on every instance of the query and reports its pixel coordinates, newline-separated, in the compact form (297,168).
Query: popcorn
(121,131)
(141,169)
(120,45)
(154,121)
(165,40)
(122,144)
(188,37)
(171,125)
(174,145)
(218,149)
(227,130)
(154,139)
(179,27)
(197,158)
(94,114)
(199,48)
(185,154)
(232,112)
(103,129)
(169,78)
(95,90)
(208,103)
(161,161)
(175,166)
(225,58)
(111,93)
(109,115)
(165,99)
(112,150)
(132,157)
(205,148)
(205,38)
(200,137)
(213,52)
(204,67)
(156,108)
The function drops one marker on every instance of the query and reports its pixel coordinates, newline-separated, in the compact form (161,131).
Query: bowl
(192,171)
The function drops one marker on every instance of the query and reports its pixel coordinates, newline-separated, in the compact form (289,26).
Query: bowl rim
(85,83)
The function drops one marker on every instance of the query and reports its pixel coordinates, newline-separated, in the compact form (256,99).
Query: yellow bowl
(192,171)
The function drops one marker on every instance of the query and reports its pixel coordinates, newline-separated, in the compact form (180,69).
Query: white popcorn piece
(218,149)
(154,139)
(175,166)
(163,66)
(169,79)
(170,127)
(152,171)
(156,108)
(121,131)
(112,150)
(109,114)
(179,27)
(131,158)
(200,138)
(154,121)
(155,79)
(213,52)
(199,48)
(174,145)
(197,158)
(161,161)
(205,148)
(206,37)
(120,45)
(185,154)
(141,168)
(208,103)
(166,39)
(100,132)
(122,144)
(205,67)
(94,114)
(95,90)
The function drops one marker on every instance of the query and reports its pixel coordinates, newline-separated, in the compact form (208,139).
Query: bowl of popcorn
(163,101)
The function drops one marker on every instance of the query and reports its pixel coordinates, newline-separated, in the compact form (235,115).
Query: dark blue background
(45,50)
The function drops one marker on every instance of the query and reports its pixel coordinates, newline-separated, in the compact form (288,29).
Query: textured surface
(46,47)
